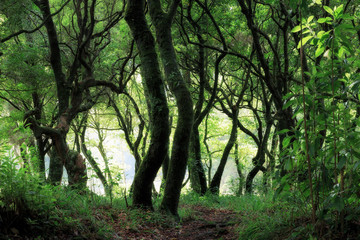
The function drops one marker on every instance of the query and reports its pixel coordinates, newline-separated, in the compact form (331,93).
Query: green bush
(24,198)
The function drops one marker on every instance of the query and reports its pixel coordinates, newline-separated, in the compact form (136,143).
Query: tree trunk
(239,170)
(55,168)
(63,92)
(180,149)
(250,177)
(40,145)
(106,161)
(95,166)
(155,94)
(215,183)
(259,159)
(196,169)
(76,169)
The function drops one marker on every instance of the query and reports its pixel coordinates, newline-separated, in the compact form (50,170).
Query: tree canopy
(269,88)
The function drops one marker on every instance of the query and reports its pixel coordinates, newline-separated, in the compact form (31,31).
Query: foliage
(289,68)
(32,208)
(23,197)
(327,136)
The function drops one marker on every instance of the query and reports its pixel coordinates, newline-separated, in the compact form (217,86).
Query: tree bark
(63,93)
(76,169)
(180,149)
(215,183)
(155,94)
(92,161)
(55,168)
(196,169)
(259,159)
(239,170)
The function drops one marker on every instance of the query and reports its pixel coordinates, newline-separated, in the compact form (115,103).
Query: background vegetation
(270,88)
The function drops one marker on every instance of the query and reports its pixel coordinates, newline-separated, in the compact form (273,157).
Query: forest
(170,119)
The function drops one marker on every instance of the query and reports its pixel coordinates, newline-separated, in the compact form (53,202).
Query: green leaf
(342,162)
(346,27)
(320,50)
(288,95)
(341,52)
(304,41)
(338,11)
(345,42)
(289,103)
(283,131)
(347,16)
(321,20)
(288,165)
(310,19)
(347,75)
(329,10)
(296,29)
(324,20)
(338,203)
(286,141)
(357,155)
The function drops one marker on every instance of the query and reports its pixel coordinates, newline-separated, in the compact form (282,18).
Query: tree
(73,88)
(180,147)
(158,109)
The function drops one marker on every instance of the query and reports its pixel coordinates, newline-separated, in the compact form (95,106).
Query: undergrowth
(261,217)
(32,208)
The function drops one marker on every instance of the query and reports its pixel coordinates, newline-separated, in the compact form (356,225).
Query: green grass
(261,216)
(40,210)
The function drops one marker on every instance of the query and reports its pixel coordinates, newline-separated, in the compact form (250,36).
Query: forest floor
(204,223)
(198,222)
(81,217)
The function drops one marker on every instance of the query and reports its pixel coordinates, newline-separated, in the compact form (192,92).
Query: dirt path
(203,223)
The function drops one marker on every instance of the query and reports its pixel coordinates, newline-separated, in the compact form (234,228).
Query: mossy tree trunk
(215,183)
(92,161)
(196,169)
(132,141)
(155,94)
(55,169)
(73,93)
(239,169)
(76,169)
(180,149)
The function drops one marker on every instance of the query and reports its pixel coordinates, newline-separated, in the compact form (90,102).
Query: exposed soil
(199,223)
(203,223)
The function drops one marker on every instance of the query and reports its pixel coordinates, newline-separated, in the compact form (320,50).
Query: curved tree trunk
(93,163)
(180,149)
(239,170)
(67,88)
(196,169)
(215,183)
(259,159)
(155,94)
(63,94)
(250,177)
(55,168)
(96,168)
(76,169)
